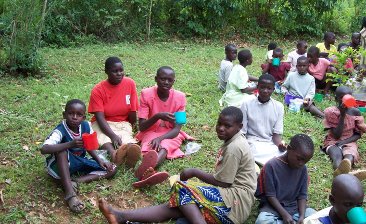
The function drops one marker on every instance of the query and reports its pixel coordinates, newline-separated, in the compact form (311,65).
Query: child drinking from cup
(226,65)
(271,46)
(283,184)
(160,134)
(68,155)
(223,197)
(344,125)
(292,57)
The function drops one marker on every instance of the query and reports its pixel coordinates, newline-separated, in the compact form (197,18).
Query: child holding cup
(66,148)
(161,116)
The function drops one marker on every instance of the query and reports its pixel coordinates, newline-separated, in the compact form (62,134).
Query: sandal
(344,167)
(75,186)
(151,179)
(150,159)
(133,155)
(74,203)
(360,174)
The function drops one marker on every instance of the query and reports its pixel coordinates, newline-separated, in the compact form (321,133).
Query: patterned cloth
(205,196)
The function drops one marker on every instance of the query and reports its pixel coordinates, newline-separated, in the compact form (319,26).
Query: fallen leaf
(8,181)
(25,147)
(206,127)
(37,143)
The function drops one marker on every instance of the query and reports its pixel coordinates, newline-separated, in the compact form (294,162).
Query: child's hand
(282,146)
(77,143)
(155,144)
(300,220)
(306,102)
(116,141)
(287,219)
(187,174)
(166,116)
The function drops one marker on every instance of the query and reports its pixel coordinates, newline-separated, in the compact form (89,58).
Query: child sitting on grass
(355,41)
(283,184)
(160,136)
(347,192)
(292,57)
(301,85)
(237,88)
(277,71)
(271,46)
(327,47)
(226,65)
(68,157)
(344,126)
(223,197)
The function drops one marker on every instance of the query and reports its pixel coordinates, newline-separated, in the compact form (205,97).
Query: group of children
(250,127)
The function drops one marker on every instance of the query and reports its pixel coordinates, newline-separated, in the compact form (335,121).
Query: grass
(31,107)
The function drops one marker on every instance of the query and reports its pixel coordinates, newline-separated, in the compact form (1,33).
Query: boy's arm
(265,68)
(203,176)
(50,149)
(302,207)
(287,218)
(277,140)
(353,138)
(248,89)
(337,131)
(253,78)
(106,165)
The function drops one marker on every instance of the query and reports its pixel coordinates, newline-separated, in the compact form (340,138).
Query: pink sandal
(150,159)
(152,178)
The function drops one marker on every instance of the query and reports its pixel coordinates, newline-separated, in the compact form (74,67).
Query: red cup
(90,141)
(349,101)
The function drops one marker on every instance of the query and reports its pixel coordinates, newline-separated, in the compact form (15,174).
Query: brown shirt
(235,165)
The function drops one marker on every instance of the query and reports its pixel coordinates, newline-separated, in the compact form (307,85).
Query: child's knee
(61,155)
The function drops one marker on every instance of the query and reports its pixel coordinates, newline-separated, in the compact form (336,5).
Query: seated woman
(113,102)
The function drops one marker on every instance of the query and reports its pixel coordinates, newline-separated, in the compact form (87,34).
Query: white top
(269,55)
(314,218)
(262,120)
(300,85)
(224,72)
(292,59)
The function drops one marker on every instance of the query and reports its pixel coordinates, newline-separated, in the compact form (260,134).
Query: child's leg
(91,168)
(158,213)
(92,177)
(349,157)
(162,156)
(192,213)
(335,154)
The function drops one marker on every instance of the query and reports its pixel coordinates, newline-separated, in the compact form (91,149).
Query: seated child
(238,88)
(327,47)
(263,122)
(160,136)
(344,126)
(318,67)
(68,157)
(223,197)
(286,206)
(294,55)
(346,193)
(226,65)
(355,41)
(301,85)
(277,71)
(271,46)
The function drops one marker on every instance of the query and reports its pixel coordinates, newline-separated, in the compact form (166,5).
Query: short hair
(314,50)
(278,50)
(346,183)
(234,112)
(272,46)
(110,62)
(342,90)
(355,34)
(266,77)
(229,47)
(163,68)
(244,55)
(341,45)
(300,43)
(303,58)
(74,101)
(302,141)
(328,34)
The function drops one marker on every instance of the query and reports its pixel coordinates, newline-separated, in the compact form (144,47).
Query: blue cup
(357,215)
(276,62)
(180,117)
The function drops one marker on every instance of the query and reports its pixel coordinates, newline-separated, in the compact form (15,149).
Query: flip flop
(133,155)
(74,203)
(344,167)
(106,211)
(120,155)
(360,174)
(150,159)
(154,179)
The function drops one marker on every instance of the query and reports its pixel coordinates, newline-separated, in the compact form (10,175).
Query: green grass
(31,107)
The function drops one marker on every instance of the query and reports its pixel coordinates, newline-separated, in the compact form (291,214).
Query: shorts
(122,129)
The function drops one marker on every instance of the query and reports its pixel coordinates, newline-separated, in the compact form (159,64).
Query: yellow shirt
(322,48)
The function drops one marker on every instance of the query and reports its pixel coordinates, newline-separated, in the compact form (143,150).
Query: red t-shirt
(115,101)
(278,72)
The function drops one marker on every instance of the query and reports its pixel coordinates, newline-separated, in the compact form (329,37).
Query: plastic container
(180,117)
(192,147)
(276,62)
(90,141)
(295,105)
(362,109)
(361,103)
(356,215)
(349,101)
(318,97)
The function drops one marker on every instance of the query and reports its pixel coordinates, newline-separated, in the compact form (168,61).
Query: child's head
(299,151)
(302,65)
(346,193)
(165,78)
(301,46)
(277,53)
(74,113)
(229,123)
(113,67)
(342,47)
(245,57)
(231,52)
(340,92)
(356,38)
(266,86)
(272,46)
(329,37)
(313,54)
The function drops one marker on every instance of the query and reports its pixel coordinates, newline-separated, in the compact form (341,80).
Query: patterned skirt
(205,196)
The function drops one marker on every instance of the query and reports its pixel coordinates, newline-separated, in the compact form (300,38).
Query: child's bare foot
(74,203)
(344,167)
(109,213)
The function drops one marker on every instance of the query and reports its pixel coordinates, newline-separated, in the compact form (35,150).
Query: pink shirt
(319,70)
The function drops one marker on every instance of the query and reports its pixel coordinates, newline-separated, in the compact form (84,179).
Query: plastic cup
(318,97)
(349,101)
(276,62)
(362,109)
(357,215)
(90,141)
(180,117)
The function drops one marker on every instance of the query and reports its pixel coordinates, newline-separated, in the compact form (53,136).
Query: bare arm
(155,143)
(337,131)
(104,127)
(287,218)
(265,68)
(302,206)
(50,149)
(353,138)
(132,118)
(203,176)
(277,140)
(253,78)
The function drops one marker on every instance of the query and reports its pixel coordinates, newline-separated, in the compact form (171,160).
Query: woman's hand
(155,144)
(166,116)
(116,141)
